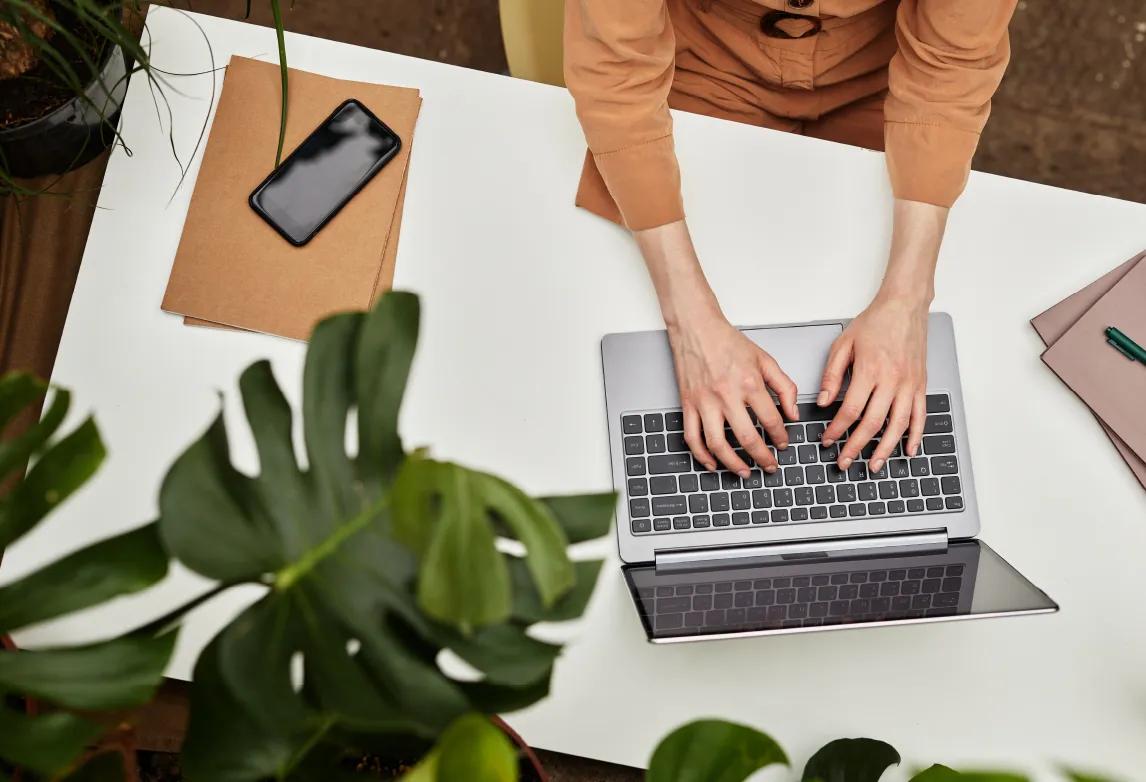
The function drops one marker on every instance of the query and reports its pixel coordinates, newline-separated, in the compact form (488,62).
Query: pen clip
(1119,348)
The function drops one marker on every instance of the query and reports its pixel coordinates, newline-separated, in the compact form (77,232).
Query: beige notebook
(1113,386)
(232,268)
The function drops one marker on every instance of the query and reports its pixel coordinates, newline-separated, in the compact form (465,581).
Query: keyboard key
(869,449)
(674,422)
(808,454)
(779,515)
(729,480)
(930,586)
(669,621)
(799,514)
(698,503)
(675,442)
(663,484)
(754,480)
(945,600)
(846,492)
(688,483)
(773,479)
(654,422)
(669,506)
(634,445)
(829,454)
(899,468)
(639,508)
(634,465)
(944,465)
(681,522)
(888,490)
(919,467)
(709,481)
(857,472)
(815,474)
(782,498)
(825,495)
(849,592)
(631,424)
(815,432)
(954,503)
(876,508)
(880,474)
(867,491)
(950,484)
(759,517)
(929,487)
(804,495)
(795,433)
(638,487)
(741,500)
(835,474)
(718,501)
(857,509)
(915,506)
(838,511)
(819,512)
(896,506)
(794,476)
(938,424)
(909,487)
(701,522)
(693,619)
(739,518)
(786,456)
(938,403)
(662,525)
(702,603)
(673,462)
(810,411)
(761,498)
(718,520)
(641,525)
(938,443)
(934,503)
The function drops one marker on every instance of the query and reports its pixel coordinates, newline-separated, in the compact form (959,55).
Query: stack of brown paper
(231,268)
(1111,385)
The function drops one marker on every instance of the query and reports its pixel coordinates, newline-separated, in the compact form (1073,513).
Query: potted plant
(64,68)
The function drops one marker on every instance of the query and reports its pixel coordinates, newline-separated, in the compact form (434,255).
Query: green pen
(1124,345)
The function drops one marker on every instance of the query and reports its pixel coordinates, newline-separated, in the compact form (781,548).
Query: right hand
(721,373)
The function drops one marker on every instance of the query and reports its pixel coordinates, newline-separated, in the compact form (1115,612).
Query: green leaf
(62,469)
(17,391)
(850,760)
(527,606)
(505,654)
(118,566)
(471,750)
(104,767)
(114,674)
(1074,775)
(941,773)
(385,352)
(15,452)
(47,744)
(583,516)
(713,751)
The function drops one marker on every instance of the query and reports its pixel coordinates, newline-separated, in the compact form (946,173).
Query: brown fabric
(915,77)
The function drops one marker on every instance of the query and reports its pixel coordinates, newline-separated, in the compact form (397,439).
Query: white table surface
(518,288)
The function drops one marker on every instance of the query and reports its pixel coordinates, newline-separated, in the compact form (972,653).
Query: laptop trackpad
(801,351)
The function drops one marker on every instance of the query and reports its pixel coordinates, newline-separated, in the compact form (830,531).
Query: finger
(898,420)
(712,417)
(838,360)
(918,419)
(875,413)
(749,438)
(783,385)
(694,437)
(850,409)
(770,420)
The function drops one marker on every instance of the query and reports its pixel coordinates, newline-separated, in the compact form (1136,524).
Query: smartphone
(327,170)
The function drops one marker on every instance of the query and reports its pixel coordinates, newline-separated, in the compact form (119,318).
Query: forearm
(682,289)
(917,233)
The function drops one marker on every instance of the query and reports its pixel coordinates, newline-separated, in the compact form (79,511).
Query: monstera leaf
(115,674)
(850,760)
(941,773)
(373,562)
(713,751)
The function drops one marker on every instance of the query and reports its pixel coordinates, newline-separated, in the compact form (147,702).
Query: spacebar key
(673,462)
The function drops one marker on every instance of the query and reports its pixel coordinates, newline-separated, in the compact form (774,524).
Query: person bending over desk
(913,78)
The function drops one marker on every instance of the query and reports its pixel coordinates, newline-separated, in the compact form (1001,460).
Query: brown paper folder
(231,268)
(1071,360)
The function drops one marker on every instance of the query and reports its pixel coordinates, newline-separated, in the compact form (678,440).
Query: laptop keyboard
(805,601)
(668,491)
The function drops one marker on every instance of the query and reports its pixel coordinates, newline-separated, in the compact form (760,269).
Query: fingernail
(744,473)
(822,399)
(877,465)
(710,467)
(845,462)
(826,441)
(770,468)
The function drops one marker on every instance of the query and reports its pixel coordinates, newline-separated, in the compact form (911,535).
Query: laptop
(810,547)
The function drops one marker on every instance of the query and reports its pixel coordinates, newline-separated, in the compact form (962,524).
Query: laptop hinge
(792,551)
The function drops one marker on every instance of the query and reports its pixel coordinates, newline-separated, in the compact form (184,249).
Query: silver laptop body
(815,548)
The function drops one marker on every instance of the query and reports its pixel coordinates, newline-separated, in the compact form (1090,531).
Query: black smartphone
(324,172)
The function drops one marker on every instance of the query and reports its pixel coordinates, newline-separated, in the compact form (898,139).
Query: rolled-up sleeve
(951,58)
(619,57)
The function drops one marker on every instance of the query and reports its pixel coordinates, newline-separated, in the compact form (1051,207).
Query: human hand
(886,347)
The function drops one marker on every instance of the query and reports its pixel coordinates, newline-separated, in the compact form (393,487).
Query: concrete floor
(1071,111)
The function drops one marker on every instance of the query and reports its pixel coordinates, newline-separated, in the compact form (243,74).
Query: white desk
(518,287)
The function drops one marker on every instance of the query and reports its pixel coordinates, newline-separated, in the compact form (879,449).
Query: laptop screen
(966,580)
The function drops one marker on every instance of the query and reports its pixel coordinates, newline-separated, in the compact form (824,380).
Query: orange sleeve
(951,58)
(619,57)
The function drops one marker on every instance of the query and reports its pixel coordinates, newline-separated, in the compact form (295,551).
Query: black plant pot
(72,134)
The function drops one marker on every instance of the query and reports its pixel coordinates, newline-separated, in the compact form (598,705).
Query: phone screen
(324,172)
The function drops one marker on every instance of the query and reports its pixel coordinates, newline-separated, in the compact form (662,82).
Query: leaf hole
(297,671)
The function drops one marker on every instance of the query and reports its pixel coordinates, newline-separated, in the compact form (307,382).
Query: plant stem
(289,575)
(281,35)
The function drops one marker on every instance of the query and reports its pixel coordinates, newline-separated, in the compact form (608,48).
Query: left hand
(886,347)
